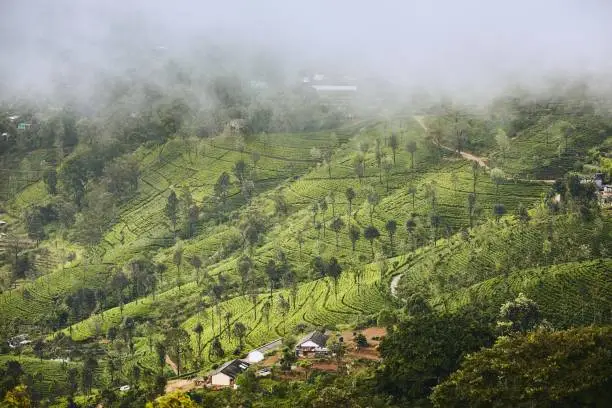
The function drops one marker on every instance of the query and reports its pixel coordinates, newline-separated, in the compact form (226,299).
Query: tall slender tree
(350,196)
(391,227)
(411,148)
(371,233)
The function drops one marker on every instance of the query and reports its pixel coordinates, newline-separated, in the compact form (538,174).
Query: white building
(313,344)
(225,376)
(257,355)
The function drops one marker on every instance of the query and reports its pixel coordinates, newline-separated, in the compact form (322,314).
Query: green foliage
(542,368)
(424,349)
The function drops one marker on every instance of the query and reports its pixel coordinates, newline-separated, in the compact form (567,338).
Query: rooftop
(232,368)
(316,337)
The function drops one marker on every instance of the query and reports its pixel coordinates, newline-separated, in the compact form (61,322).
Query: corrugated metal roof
(335,88)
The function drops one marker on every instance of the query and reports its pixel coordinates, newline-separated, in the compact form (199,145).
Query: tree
(379,155)
(387,167)
(323,209)
(364,147)
(391,227)
(50,180)
(265,311)
(222,187)
(39,348)
(359,166)
(327,159)
(350,196)
(171,210)
(410,226)
(502,142)
(519,315)
(498,177)
(421,351)
(175,399)
(216,348)
(34,224)
(318,267)
(160,352)
(371,233)
(283,308)
(411,148)
(567,134)
(198,329)
(331,199)
(354,235)
(196,262)
(121,177)
(475,174)
(522,215)
(334,270)
(245,266)
(272,271)
(240,169)
(431,194)
(499,210)
(568,368)
(471,202)
(315,210)
(337,225)
(373,201)
(17,397)
(88,374)
(412,190)
(240,330)
(72,377)
(177,259)
(394,144)
(178,344)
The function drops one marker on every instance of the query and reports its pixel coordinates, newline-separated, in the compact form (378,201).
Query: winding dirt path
(480,160)
(469,156)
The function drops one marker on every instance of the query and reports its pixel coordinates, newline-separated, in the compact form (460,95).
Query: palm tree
(371,233)
(411,148)
(350,196)
(391,227)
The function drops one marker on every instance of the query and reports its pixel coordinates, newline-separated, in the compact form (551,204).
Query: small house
(257,355)
(225,376)
(312,345)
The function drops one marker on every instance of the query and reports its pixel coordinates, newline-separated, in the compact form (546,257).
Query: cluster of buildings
(311,345)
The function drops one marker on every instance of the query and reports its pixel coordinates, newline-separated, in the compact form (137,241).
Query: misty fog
(466,47)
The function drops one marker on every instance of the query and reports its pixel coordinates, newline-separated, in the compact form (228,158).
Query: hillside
(252,237)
